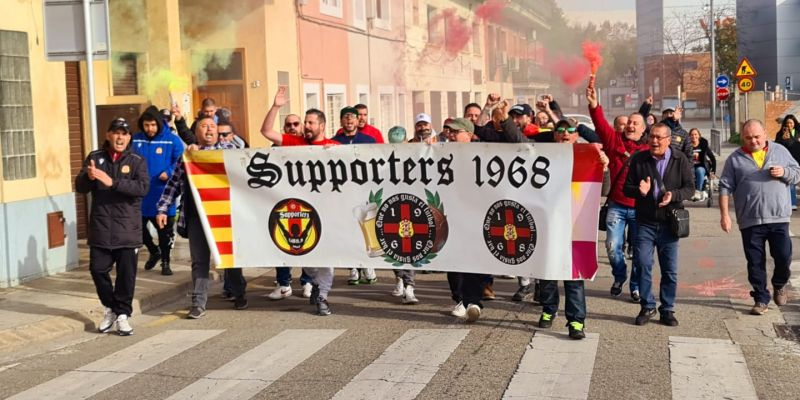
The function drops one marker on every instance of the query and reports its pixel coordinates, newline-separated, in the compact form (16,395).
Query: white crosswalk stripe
(708,369)
(102,374)
(406,366)
(250,373)
(554,367)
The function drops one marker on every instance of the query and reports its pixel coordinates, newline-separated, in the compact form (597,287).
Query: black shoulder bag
(677,217)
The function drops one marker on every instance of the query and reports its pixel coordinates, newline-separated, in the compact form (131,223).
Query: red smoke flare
(591,52)
(491,11)
(570,70)
(458,33)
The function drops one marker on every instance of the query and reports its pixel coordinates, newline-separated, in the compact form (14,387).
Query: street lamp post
(711,27)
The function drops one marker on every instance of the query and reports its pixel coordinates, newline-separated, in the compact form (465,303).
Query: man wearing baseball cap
(522,115)
(423,130)
(680,137)
(350,133)
(115,224)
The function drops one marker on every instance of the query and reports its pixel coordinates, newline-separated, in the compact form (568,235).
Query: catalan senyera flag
(210,185)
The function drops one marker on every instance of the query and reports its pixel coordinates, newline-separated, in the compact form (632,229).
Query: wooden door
(227,86)
(76,142)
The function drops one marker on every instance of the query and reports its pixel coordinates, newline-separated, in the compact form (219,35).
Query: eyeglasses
(566,130)
(292,124)
(224,134)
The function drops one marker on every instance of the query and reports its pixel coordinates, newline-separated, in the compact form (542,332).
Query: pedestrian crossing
(551,367)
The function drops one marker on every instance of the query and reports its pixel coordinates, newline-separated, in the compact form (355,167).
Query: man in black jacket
(118,180)
(658,180)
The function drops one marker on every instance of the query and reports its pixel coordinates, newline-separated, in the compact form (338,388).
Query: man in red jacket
(619,146)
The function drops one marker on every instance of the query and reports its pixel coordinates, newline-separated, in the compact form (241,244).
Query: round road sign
(722,81)
(745,84)
(722,94)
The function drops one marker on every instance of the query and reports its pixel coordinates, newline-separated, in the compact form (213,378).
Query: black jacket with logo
(678,179)
(116,215)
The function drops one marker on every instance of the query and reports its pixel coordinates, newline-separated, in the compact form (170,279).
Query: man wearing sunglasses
(658,180)
(574,294)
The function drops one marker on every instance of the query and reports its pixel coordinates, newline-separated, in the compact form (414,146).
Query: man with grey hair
(757,175)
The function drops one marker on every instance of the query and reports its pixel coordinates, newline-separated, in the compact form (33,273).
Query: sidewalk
(49,307)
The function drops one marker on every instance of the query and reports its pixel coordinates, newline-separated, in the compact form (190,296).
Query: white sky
(599,10)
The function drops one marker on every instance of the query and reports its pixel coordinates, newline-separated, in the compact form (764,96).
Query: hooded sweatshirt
(161,152)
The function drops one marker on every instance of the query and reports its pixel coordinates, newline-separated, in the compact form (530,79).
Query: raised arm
(268,126)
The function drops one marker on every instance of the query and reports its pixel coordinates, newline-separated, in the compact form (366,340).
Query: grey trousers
(322,277)
(406,275)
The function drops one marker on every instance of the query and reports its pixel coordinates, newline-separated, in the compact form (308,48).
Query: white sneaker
(696,195)
(703,196)
(108,321)
(280,292)
(123,326)
(399,287)
(307,290)
(473,312)
(459,310)
(408,297)
(353,277)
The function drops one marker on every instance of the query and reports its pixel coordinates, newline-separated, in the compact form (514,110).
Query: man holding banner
(313,134)
(207,139)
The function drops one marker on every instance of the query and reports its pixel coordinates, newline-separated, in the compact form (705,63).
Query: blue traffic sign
(722,81)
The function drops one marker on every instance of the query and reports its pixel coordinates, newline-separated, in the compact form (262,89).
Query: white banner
(514,209)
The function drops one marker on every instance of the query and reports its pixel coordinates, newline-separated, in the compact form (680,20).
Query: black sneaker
(668,318)
(635,297)
(314,294)
(546,320)
(151,261)
(644,316)
(522,293)
(165,269)
(240,303)
(576,330)
(196,313)
(616,289)
(323,308)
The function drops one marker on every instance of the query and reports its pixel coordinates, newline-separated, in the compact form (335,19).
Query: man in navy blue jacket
(156,143)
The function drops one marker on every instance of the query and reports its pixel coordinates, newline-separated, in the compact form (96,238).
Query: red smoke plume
(458,32)
(570,70)
(491,11)
(591,52)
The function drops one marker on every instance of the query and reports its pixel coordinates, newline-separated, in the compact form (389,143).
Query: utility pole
(711,28)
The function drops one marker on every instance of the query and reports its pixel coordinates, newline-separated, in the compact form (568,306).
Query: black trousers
(166,237)
(466,287)
(118,296)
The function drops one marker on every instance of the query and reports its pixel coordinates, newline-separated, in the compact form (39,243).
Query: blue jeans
(618,218)
(657,237)
(574,299)
(793,194)
(754,240)
(284,276)
(699,177)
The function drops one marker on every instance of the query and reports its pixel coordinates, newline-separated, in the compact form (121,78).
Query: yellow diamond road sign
(745,69)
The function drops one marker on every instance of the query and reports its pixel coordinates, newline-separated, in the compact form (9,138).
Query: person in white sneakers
(117,179)
(404,286)
(283,275)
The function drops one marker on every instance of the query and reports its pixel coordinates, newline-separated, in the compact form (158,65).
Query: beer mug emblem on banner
(365,214)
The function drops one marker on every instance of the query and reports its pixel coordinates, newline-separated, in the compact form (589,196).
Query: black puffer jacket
(116,216)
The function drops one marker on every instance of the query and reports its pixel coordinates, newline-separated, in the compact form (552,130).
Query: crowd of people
(652,167)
